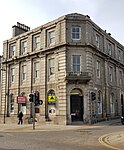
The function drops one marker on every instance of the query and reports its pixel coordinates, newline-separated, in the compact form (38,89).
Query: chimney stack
(19,29)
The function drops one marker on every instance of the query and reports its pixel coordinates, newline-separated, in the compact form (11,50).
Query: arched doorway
(76,105)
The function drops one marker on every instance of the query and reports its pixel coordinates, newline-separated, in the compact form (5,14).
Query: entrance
(76,109)
(122,105)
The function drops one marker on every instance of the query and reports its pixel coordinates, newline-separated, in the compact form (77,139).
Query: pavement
(110,140)
(51,127)
(38,127)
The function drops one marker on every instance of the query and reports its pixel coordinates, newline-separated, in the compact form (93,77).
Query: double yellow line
(104,140)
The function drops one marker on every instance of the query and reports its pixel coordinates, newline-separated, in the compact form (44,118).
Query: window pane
(75,33)
(77,29)
(78,68)
(78,59)
(74,59)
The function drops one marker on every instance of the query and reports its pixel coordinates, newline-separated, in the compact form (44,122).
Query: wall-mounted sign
(51,98)
(21,99)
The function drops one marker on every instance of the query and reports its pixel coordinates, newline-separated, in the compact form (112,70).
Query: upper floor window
(51,37)
(12,51)
(75,33)
(110,74)
(36,70)
(23,72)
(76,63)
(36,42)
(109,48)
(119,54)
(98,69)
(120,80)
(51,66)
(97,41)
(23,47)
(12,74)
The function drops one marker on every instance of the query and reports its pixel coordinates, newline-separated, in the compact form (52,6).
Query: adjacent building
(77,68)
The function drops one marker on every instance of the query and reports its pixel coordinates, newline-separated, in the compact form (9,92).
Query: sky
(107,14)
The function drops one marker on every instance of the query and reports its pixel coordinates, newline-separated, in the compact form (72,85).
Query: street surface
(100,136)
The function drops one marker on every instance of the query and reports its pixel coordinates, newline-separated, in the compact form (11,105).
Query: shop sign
(51,99)
(21,99)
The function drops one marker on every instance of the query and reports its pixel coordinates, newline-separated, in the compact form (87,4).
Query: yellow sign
(51,98)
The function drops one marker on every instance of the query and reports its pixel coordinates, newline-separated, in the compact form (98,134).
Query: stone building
(76,67)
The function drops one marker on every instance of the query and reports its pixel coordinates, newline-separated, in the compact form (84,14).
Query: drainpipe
(7,87)
(19,84)
(31,115)
(105,99)
(46,101)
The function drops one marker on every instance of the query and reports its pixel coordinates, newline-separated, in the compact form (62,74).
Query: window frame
(11,104)
(110,73)
(119,54)
(75,33)
(51,66)
(97,40)
(98,69)
(23,67)
(36,70)
(23,47)
(36,42)
(51,37)
(12,75)
(112,107)
(99,103)
(76,67)
(12,49)
(120,78)
(109,48)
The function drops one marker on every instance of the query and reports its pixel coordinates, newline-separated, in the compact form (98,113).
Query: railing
(78,76)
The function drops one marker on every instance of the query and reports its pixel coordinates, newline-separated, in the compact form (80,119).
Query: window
(119,54)
(23,47)
(110,73)
(36,42)
(120,80)
(75,33)
(99,103)
(98,69)
(36,70)
(97,41)
(24,72)
(51,37)
(51,66)
(109,48)
(76,63)
(12,74)
(112,103)
(12,51)
(11,101)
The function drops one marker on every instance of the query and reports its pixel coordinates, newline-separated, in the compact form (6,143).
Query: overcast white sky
(108,14)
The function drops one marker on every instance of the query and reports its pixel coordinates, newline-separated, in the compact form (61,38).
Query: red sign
(21,99)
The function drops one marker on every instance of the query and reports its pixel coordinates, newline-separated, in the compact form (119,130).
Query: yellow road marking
(104,141)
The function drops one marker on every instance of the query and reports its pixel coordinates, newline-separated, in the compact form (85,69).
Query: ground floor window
(11,103)
(99,104)
(112,103)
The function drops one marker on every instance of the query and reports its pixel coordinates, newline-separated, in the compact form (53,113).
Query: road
(77,138)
